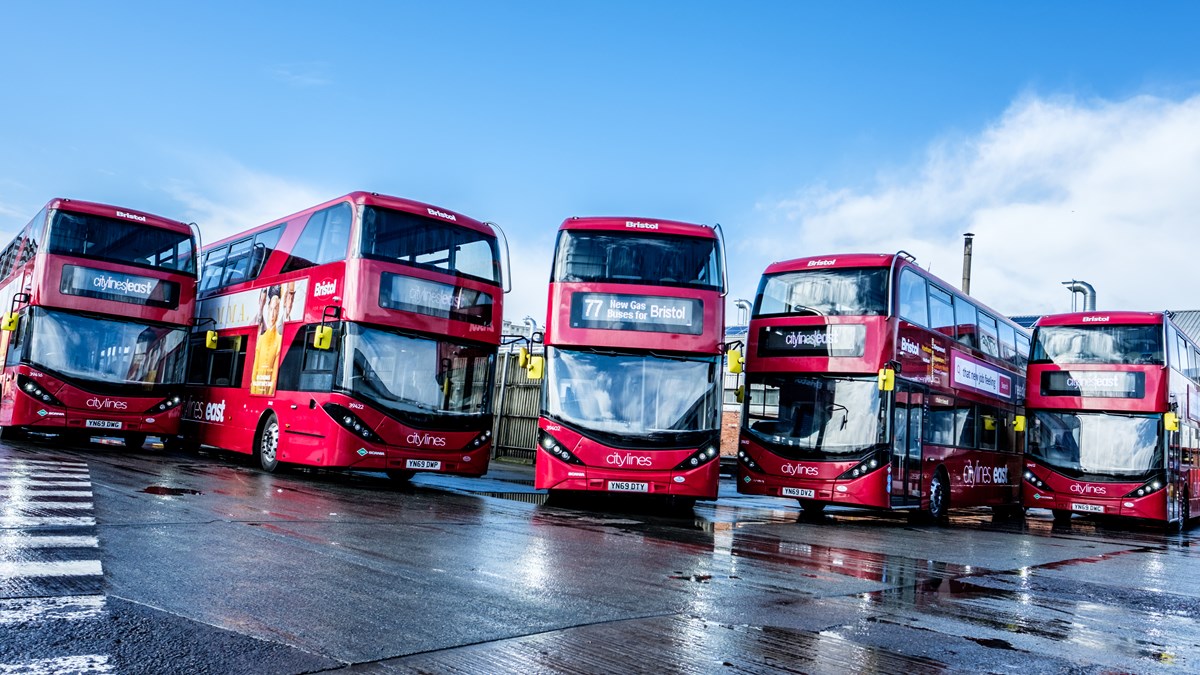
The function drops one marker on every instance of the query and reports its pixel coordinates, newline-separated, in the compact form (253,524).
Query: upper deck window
(824,292)
(1099,344)
(429,243)
(325,238)
(913,304)
(656,260)
(121,241)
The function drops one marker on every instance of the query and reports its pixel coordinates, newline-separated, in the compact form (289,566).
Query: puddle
(170,491)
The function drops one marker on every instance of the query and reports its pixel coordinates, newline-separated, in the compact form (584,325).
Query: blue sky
(803,128)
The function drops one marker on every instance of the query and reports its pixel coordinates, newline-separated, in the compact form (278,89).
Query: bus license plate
(626,486)
(427,464)
(102,424)
(1087,508)
(803,493)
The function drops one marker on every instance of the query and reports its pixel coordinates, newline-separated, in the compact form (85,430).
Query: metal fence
(518,401)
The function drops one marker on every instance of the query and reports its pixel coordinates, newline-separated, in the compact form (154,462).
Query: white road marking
(46,482)
(48,521)
(60,568)
(26,505)
(13,541)
(70,608)
(92,664)
(46,493)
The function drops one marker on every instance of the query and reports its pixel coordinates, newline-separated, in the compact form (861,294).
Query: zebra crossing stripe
(58,568)
(16,542)
(50,493)
(25,505)
(46,521)
(40,462)
(70,608)
(47,483)
(92,664)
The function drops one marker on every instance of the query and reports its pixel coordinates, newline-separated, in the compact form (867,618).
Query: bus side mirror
(210,339)
(536,368)
(740,393)
(523,358)
(10,321)
(1170,421)
(323,337)
(1019,423)
(887,379)
(735,361)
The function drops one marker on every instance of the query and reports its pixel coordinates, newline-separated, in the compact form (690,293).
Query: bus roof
(1100,318)
(828,261)
(117,212)
(638,225)
(372,199)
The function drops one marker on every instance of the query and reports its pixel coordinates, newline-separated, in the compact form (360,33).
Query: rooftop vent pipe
(1089,294)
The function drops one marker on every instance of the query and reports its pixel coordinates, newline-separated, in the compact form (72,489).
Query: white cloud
(312,74)
(1056,189)
(226,198)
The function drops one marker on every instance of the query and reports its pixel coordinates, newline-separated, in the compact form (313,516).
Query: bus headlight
(865,467)
(1149,487)
(36,391)
(166,404)
(350,422)
(707,453)
(1034,480)
(481,440)
(551,445)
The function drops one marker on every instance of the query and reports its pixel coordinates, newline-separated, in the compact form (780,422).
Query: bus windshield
(106,351)
(656,400)
(1099,344)
(1097,443)
(662,260)
(807,416)
(121,241)
(429,243)
(829,292)
(416,378)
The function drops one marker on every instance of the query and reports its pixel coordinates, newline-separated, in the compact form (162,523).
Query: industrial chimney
(1089,294)
(966,284)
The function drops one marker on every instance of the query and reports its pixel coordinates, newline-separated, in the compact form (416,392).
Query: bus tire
(1062,516)
(400,475)
(135,441)
(11,433)
(266,444)
(812,508)
(939,496)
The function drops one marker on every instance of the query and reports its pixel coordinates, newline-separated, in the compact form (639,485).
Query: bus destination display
(831,340)
(132,288)
(621,311)
(1094,384)
(435,299)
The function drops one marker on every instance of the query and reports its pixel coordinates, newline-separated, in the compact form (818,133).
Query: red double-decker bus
(98,300)
(360,333)
(872,383)
(1114,404)
(632,398)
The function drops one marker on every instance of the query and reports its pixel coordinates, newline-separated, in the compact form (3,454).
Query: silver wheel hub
(270,442)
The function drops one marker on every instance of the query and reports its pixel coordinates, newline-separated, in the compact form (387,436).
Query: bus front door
(908,418)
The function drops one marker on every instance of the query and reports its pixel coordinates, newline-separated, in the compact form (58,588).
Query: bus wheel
(267,446)
(135,441)
(1062,516)
(399,475)
(939,496)
(812,508)
(11,433)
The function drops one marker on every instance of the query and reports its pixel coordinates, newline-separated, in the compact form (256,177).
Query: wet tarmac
(112,561)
